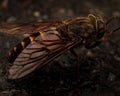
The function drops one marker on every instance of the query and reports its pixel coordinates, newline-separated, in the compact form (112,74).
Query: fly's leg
(77,59)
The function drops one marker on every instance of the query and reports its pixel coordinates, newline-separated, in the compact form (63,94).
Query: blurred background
(99,67)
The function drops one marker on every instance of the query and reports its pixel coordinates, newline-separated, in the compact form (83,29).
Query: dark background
(99,73)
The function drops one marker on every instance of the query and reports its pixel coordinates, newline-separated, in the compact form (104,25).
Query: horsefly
(48,40)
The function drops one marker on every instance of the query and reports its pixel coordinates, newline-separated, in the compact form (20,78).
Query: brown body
(48,40)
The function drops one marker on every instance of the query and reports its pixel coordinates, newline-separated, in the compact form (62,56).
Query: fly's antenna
(110,20)
(116,29)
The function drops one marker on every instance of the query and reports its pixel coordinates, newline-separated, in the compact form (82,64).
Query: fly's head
(101,31)
(98,34)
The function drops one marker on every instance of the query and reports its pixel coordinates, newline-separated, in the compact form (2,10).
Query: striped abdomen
(20,46)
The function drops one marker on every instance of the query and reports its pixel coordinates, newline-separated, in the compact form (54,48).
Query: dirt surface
(99,71)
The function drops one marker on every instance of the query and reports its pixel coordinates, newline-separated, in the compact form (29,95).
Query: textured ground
(99,67)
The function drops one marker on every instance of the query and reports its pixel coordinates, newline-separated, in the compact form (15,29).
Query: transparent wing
(26,28)
(45,47)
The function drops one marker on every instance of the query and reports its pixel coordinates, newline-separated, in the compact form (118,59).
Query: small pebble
(11,19)
(36,14)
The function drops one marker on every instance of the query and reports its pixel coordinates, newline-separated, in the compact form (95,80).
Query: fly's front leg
(77,59)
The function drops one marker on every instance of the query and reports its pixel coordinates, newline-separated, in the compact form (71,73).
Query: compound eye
(100,33)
